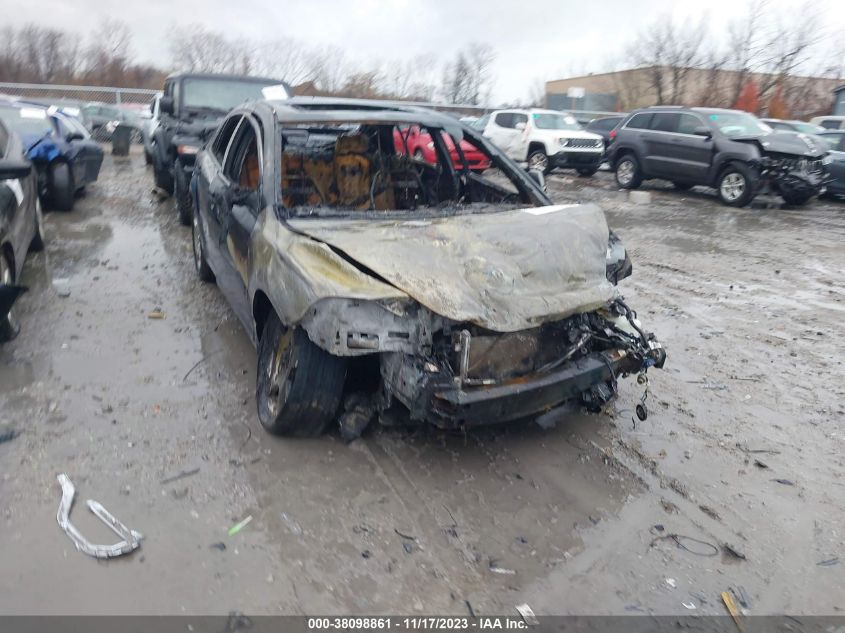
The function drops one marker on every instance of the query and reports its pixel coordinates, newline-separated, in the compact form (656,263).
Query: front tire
(200,263)
(163,178)
(628,173)
(62,189)
(184,204)
(539,160)
(8,325)
(299,386)
(735,186)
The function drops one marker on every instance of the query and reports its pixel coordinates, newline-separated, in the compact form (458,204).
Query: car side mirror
(538,177)
(519,126)
(702,130)
(166,105)
(14,169)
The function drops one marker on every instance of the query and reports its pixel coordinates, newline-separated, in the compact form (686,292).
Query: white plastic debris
(527,614)
(671,582)
(131,539)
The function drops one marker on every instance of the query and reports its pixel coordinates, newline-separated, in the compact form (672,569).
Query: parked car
(793,126)
(544,139)
(604,127)
(836,168)
(730,150)
(189,111)
(21,228)
(458,298)
(830,122)
(65,157)
(149,128)
(410,140)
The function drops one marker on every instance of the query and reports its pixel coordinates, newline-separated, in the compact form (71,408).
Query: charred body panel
(479,300)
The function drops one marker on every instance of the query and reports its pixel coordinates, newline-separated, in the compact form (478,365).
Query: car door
(692,153)
(503,133)
(659,141)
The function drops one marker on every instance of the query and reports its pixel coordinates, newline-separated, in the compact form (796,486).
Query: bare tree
(468,79)
(194,48)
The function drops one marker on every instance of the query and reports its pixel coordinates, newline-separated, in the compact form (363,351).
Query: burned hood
(504,271)
(797,143)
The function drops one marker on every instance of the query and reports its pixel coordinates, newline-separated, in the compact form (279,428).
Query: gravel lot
(743,446)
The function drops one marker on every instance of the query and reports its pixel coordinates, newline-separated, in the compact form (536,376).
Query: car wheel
(37,243)
(587,171)
(539,160)
(796,199)
(62,189)
(200,263)
(628,174)
(734,186)
(681,186)
(8,325)
(182,192)
(148,159)
(163,178)
(299,385)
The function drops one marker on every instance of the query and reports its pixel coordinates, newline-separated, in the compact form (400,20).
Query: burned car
(429,291)
(730,150)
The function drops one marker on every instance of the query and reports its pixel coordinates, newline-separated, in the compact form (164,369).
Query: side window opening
(665,122)
(224,135)
(688,124)
(505,119)
(243,164)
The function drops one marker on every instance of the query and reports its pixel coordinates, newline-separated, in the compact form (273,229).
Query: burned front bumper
(587,381)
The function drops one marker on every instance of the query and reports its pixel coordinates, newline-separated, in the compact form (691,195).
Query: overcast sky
(537,40)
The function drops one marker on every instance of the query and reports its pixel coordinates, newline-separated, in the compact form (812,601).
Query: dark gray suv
(730,150)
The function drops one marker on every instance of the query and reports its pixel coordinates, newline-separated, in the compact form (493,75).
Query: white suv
(544,139)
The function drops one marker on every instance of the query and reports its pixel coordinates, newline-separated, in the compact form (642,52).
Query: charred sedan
(419,287)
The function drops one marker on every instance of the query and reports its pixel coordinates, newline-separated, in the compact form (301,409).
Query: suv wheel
(735,187)
(299,385)
(163,178)
(203,269)
(8,325)
(628,174)
(538,160)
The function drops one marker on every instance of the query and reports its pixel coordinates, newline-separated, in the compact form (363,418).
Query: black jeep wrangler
(191,108)
(732,151)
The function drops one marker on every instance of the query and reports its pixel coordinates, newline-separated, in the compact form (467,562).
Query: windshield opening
(27,121)
(736,124)
(552,121)
(220,94)
(379,168)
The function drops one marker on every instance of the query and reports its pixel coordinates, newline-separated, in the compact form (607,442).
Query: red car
(420,146)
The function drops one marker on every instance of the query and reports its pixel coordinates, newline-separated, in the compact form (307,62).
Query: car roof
(186,75)
(302,109)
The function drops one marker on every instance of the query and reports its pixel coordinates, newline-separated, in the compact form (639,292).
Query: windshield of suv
(550,121)
(735,124)
(27,121)
(378,169)
(806,128)
(220,94)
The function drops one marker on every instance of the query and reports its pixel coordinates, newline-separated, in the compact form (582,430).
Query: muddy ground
(749,303)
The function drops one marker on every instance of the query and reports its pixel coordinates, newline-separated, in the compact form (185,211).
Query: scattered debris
(291,524)
(62,287)
(408,546)
(730,550)
(760,464)
(359,409)
(220,545)
(366,554)
(8,435)
(745,449)
(239,526)
(731,607)
(180,475)
(156,314)
(739,593)
(671,582)
(527,614)
(198,363)
(669,507)
(470,609)
(829,562)
(405,536)
(710,512)
(494,567)
(689,605)
(687,543)
(785,482)
(131,539)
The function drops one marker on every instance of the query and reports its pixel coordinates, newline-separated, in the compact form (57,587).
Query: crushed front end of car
(792,165)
